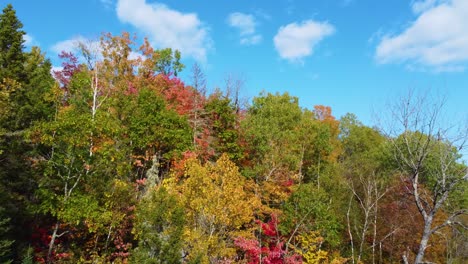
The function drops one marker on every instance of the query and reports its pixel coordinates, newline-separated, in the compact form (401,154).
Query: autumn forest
(115,159)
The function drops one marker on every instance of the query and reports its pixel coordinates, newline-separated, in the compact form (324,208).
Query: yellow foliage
(7,87)
(310,249)
(218,207)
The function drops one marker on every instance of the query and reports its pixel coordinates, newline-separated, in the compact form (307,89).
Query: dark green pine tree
(25,86)
(33,101)
(11,45)
(5,227)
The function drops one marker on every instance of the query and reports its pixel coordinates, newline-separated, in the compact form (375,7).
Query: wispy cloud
(437,39)
(244,22)
(94,47)
(420,6)
(107,3)
(166,27)
(246,25)
(296,41)
(29,40)
(251,40)
(72,45)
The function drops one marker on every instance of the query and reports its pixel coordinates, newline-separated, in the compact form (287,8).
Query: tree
(222,120)
(427,153)
(5,243)
(168,62)
(219,206)
(310,209)
(11,45)
(34,102)
(108,131)
(159,228)
(271,129)
(25,98)
(319,144)
(198,123)
(363,166)
(270,247)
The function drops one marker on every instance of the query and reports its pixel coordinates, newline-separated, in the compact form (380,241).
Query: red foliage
(184,99)
(70,67)
(40,242)
(178,166)
(131,89)
(272,249)
(400,222)
(204,149)
(270,228)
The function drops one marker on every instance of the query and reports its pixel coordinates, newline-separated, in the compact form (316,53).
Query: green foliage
(116,136)
(311,209)
(25,85)
(363,147)
(5,243)
(28,257)
(25,80)
(159,229)
(11,45)
(151,125)
(33,101)
(168,62)
(222,114)
(436,159)
(319,144)
(271,130)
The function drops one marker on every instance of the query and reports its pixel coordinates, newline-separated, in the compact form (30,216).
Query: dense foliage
(114,159)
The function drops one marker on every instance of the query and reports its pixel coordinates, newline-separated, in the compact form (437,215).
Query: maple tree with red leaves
(269,248)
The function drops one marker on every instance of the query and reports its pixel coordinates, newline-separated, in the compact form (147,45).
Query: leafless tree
(426,150)
(234,84)
(198,79)
(197,120)
(367,192)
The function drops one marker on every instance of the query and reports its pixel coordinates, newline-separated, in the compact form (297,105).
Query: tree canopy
(115,159)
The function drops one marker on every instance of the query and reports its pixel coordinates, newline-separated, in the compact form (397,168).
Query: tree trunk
(52,242)
(424,240)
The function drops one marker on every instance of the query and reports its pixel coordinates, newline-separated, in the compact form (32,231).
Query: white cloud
(297,40)
(246,25)
(28,40)
(251,40)
(244,22)
(55,69)
(72,45)
(167,28)
(94,46)
(262,14)
(437,39)
(420,6)
(136,55)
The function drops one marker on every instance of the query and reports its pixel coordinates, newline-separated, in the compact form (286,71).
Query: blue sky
(353,55)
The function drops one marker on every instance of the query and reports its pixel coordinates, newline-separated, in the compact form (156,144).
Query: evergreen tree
(11,45)
(25,85)
(33,102)
(5,243)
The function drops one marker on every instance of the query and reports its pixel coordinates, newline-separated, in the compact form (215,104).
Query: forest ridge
(114,159)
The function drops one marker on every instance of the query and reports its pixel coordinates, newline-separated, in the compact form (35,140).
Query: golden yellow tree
(309,247)
(219,207)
